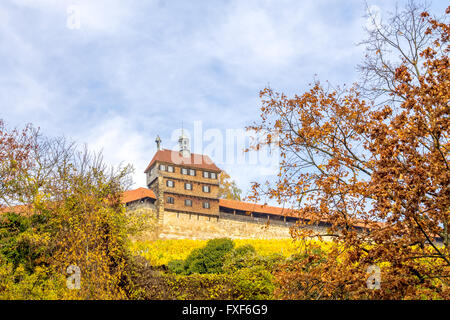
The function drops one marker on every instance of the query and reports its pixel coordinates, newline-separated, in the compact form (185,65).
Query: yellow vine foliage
(161,252)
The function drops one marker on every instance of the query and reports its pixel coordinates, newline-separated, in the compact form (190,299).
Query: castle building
(184,182)
(183,190)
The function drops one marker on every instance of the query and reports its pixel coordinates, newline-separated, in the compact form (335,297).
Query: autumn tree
(396,42)
(375,170)
(71,218)
(228,188)
(16,148)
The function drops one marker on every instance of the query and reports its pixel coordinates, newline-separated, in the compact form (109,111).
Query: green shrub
(246,249)
(16,283)
(239,258)
(243,285)
(24,240)
(253,283)
(176,266)
(209,259)
(251,273)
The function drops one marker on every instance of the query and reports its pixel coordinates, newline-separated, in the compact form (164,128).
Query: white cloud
(106,16)
(266,39)
(96,16)
(137,68)
(121,143)
(252,35)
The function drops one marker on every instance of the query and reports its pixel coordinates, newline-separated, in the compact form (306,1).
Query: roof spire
(183,141)
(158,142)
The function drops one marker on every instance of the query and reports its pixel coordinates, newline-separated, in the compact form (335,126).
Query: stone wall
(178,225)
(194,226)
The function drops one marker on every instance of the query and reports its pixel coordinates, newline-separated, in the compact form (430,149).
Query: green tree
(210,258)
(228,188)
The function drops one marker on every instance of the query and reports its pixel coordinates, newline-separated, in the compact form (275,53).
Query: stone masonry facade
(183,191)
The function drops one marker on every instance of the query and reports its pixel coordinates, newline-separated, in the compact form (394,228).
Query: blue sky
(138,68)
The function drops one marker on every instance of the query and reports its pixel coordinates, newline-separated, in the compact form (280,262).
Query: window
(206,205)
(213,175)
(192,172)
(184,171)
(170,183)
(206,189)
(162,167)
(170,169)
(205,174)
(188,186)
(188,203)
(170,200)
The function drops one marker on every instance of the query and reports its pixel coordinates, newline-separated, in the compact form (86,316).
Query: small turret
(183,141)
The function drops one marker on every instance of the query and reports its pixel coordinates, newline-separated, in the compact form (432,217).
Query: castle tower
(182,185)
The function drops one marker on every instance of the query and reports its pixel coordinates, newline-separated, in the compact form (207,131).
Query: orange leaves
(360,165)
(402,74)
(406,183)
(16,151)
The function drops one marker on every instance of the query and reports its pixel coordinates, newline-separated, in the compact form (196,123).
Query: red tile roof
(258,208)
(139,193)
(195,160)
(254,207)
(128,196)
(25,210)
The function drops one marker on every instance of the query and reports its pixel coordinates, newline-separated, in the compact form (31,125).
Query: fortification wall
(177,225)
(193,226)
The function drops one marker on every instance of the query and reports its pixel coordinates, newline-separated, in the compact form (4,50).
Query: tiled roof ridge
(255,205)
(167,155)
(137,194)
(267,209)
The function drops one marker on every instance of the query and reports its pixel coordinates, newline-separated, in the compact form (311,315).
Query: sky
(116,73)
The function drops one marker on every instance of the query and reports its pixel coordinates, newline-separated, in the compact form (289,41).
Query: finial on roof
(183,141)
(158,142)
